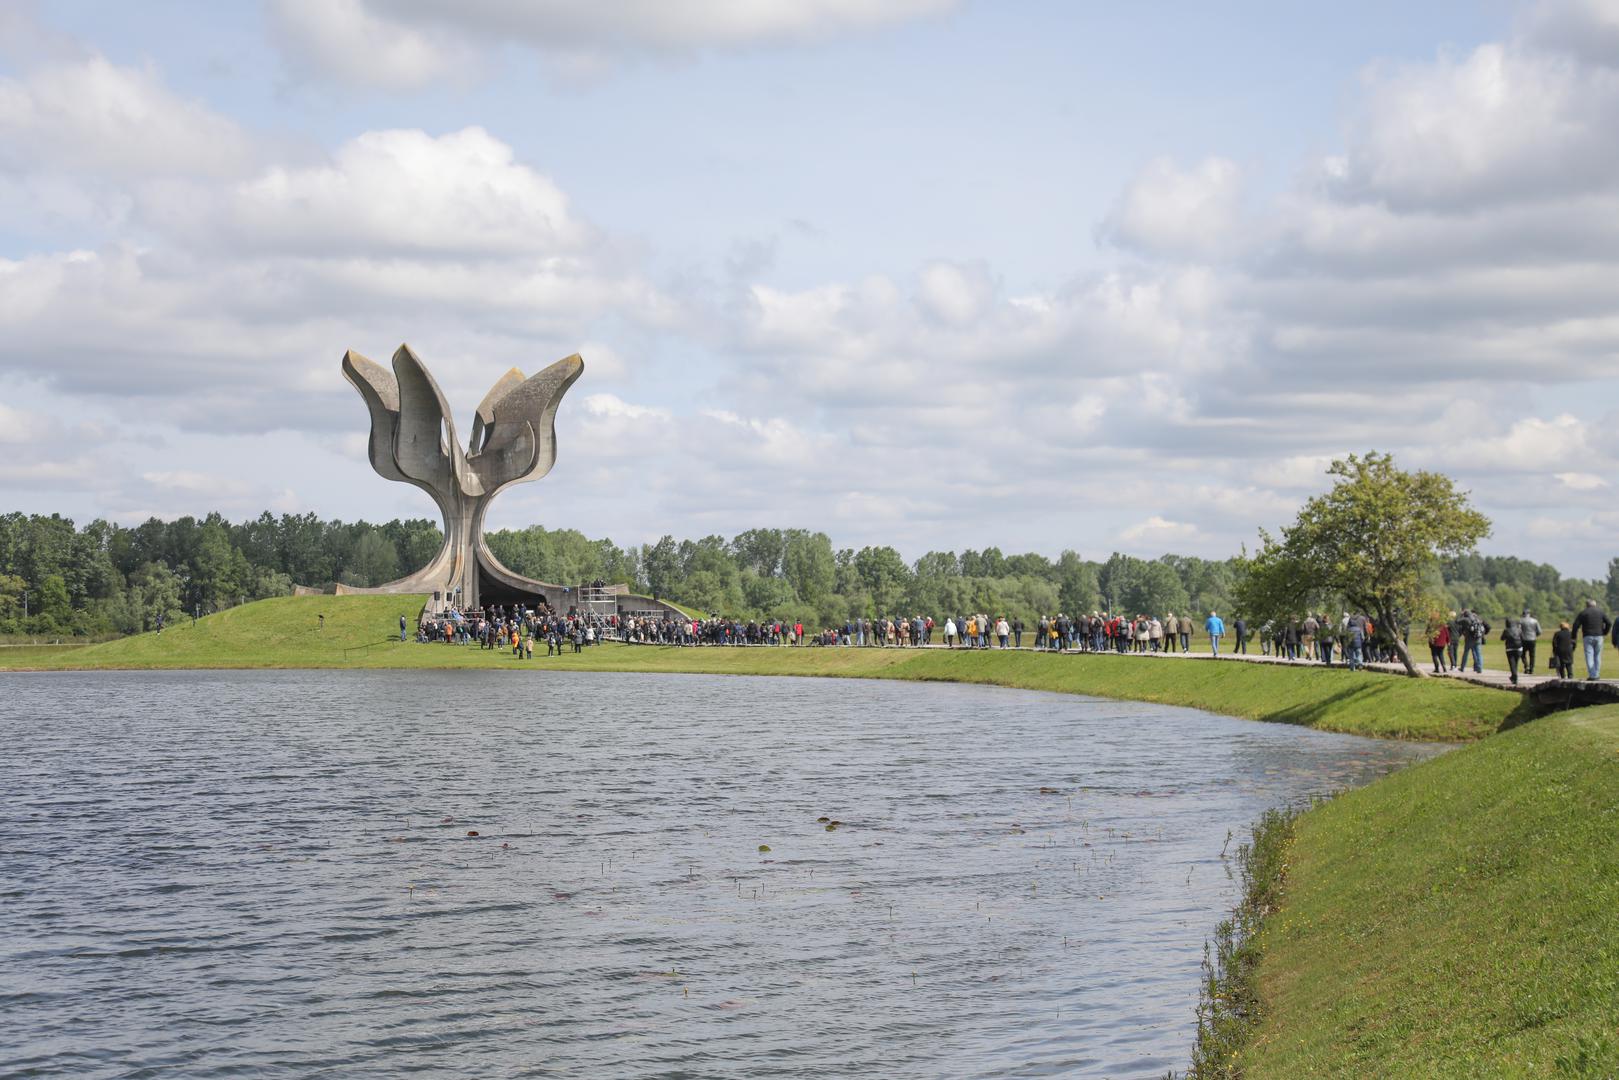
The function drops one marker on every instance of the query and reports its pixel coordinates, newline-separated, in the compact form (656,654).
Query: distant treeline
(106,578)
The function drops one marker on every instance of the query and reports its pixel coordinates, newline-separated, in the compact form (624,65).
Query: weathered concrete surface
(513,440)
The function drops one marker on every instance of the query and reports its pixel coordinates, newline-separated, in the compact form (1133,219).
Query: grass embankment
(285,632)
(1459,918)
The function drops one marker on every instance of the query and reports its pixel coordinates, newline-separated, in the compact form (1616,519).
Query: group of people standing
(518,628)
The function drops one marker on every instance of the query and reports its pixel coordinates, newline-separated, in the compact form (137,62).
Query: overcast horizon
(938,274)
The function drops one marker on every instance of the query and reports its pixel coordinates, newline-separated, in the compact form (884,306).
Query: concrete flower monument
(514,440)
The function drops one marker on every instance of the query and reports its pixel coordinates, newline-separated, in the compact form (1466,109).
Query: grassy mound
(1459,918)
(363,631)
(282,632)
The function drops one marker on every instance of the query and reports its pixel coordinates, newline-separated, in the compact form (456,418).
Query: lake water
(270,874)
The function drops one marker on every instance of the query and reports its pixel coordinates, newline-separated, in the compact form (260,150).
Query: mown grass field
(363,632)
(1459,918)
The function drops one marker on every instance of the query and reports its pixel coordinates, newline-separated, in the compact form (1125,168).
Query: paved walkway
(1587,689)
(1499,680)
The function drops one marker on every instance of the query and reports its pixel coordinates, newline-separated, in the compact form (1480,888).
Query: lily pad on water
(764,848)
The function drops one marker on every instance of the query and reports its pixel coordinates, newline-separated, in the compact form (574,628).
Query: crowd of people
(1455,642)
(1520,640)
(517,627)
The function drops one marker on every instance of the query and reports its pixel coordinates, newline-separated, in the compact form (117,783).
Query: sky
(940,274)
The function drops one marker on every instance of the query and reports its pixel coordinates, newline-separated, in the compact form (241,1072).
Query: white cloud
(1588,29)
(955,294)
(386,192)
(1492,127)
(612,407)
(406,43)
(1160,533)
(1581,481)
(94,115)
(1168,211)
(18,427)
(348,41)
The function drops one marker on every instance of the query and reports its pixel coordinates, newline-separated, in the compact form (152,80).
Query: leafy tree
(760,550)
(1117,580)
(12,587)
(1077,589)
(808,565)
(1369,539)
(661,565)
(1155,590)
(938,564)
(154,590)
(1613,585)
(373,561)
(212,581)
(55,611)
(883,574)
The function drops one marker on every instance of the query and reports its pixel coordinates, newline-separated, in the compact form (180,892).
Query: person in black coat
(1563,651)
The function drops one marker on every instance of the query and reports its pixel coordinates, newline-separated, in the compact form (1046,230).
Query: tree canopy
(1372,540)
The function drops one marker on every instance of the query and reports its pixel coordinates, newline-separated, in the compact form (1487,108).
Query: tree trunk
(1400,650)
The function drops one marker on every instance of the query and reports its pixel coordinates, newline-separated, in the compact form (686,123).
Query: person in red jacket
(1438,640)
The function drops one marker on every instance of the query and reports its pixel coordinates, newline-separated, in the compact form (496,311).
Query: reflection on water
(272,874)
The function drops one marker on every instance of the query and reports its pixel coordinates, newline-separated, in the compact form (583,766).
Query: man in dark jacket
(1474,631)
(1239,626)
(1590,625)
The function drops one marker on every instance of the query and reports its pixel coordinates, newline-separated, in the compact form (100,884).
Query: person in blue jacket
(1216,630)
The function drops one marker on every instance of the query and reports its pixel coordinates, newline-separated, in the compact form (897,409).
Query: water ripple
(273,874)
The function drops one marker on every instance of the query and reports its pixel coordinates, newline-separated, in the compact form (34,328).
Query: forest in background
(102,579)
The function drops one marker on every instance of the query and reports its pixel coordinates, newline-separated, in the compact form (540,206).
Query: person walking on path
(1355,639)
(1215,628)
(1239,627)
(1456,628)
(1438,639)
(1591,625)
(1003,630)
(1474,631)
(1017,632)
(1512,642)
(1563,651)
(401,626)
(1529,626)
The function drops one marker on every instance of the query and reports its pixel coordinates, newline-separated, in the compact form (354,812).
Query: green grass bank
(362,632)
(1457,919)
